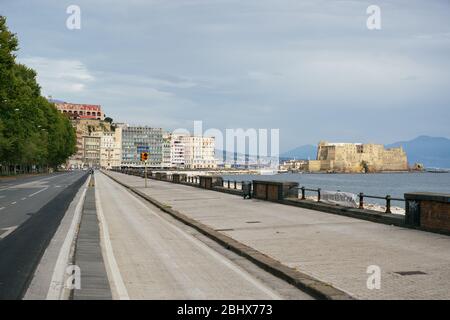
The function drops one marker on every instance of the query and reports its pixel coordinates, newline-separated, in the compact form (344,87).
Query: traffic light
(144,156)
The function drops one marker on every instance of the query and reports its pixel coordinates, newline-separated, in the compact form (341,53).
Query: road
(30,211)
(148,256)
(20,199)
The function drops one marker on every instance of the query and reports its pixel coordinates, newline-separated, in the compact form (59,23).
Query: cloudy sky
(308,67)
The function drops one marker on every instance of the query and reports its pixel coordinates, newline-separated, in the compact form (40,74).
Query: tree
(8,45)
(32,131)
(365,166)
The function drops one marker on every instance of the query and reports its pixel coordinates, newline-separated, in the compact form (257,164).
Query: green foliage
(365,166)
(32,131)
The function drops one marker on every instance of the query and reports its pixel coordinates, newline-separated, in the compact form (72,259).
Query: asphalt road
(30,212)
(149,256)
(21,198)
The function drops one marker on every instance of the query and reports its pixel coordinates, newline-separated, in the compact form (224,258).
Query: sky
(311,68)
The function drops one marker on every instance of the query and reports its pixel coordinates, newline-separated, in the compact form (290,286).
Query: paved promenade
(332,248)
(154,257)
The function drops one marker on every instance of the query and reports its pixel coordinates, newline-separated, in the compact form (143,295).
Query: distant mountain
(302,152)
(432,152)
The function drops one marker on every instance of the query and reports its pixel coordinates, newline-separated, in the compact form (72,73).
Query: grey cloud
(310,68)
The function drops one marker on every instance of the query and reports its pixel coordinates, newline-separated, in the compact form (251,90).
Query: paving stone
(335,249)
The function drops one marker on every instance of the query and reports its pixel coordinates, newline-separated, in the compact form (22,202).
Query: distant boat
(437,170)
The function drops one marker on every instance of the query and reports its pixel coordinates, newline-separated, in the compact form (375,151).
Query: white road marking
(57,186)
(1,197)
(14,202)
(8,231)
(55,290)
(113,270)
(56,176)
(244,274)
(24,199)
(26,184)
(2,208)
(33,194)
(217,256)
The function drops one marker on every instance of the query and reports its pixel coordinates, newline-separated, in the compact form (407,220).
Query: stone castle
(357,157)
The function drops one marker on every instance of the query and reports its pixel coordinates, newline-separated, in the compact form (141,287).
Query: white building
(110,147)
(166,150)
(177,151)
(199,152)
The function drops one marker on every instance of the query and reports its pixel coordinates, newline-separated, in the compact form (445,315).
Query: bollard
(235,186)
(361,200)
(388,204)
(318,195)
(303,193)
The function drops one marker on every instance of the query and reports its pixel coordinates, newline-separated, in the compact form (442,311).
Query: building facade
(85,128)
(199,152)
(139,138)
(294,165)
(91,151)
(177,151)
(358,157)
(166,159)
(110,147)
(80,111)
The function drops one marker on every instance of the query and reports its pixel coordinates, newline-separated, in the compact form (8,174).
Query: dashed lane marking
(6,232)
(33,194)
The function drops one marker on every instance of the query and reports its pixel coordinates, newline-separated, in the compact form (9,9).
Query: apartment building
(166,151)
(199,152)
(138,138)
(110,147)
(177,151)
(91,149)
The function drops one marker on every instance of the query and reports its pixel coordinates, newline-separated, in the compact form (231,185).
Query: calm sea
(377,184)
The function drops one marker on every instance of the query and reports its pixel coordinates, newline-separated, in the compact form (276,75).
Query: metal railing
(193,179)
(388,199)
(232,184)
(361,196)
(303,189)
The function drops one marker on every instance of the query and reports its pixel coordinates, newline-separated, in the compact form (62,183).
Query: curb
(304,282)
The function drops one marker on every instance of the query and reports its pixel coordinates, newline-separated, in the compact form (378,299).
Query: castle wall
(350,157)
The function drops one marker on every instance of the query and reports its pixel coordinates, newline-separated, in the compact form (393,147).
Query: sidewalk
(332,248)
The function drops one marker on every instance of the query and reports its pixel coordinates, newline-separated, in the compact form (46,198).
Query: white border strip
(113,269)
(56,289)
